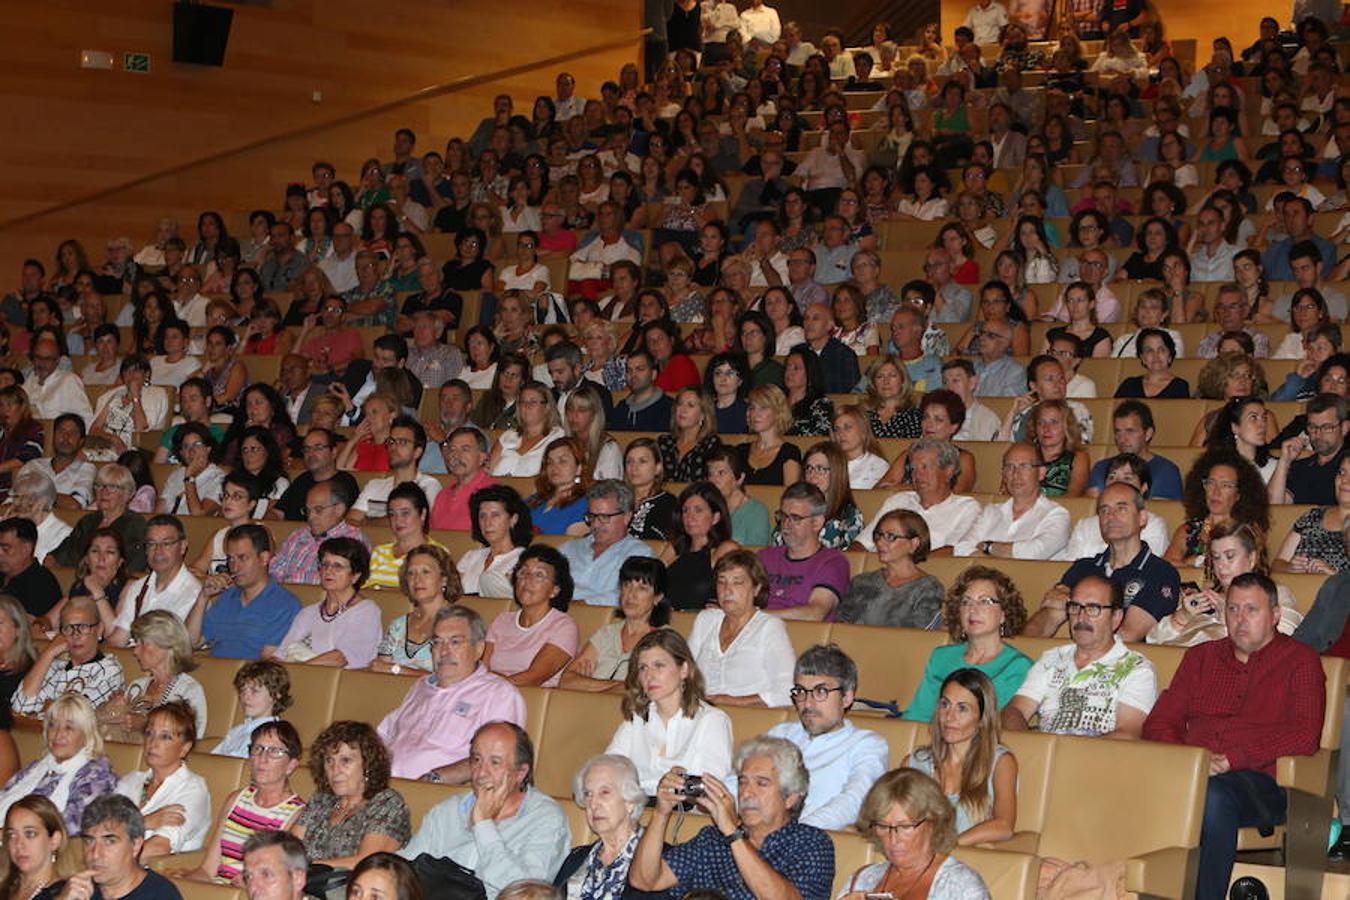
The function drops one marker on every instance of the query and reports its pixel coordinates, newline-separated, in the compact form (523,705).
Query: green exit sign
(136,62)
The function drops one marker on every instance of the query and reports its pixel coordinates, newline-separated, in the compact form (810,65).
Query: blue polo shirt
(237,631)
(1149,582)
(1164,478)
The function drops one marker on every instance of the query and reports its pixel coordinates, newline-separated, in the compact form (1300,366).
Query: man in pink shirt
(465,451)
(429,734)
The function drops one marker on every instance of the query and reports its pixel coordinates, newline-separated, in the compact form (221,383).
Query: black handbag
(444,879)
(325,882)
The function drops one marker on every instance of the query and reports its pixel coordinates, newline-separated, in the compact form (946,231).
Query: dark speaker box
(200,33)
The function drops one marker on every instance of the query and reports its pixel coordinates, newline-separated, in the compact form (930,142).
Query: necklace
(329,617)
(38,889)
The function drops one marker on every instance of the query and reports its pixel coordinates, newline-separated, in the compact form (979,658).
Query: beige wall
(1203,20)
(67,131)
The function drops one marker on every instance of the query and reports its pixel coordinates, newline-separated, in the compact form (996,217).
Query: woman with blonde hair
(162,647)
(584,419)
(16,658)
(909,819)
(1053,428)
(38,849)
(664,682)
(520,452)
(693,434)
(890,403)
(853,435)
(768,458)
(558,505)
(74,769)
(430,581)
(978,774)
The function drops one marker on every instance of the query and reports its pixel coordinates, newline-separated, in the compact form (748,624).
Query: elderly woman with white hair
(607,789)
(74,770)
(34,497)
(114,486)
(164,651)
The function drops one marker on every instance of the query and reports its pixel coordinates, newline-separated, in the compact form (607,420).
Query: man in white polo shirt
(168,586)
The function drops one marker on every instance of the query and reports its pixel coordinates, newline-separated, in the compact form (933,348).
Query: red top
(371,457)
(1342,646)
(334,348)
(1252,713)
(679,372)
(451,509)
(967,273)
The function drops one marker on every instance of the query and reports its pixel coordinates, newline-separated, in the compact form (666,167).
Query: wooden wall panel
(67,131)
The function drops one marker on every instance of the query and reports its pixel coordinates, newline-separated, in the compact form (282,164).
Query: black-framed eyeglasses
(1091,610)
(592,517)
(73,628)
(820,693)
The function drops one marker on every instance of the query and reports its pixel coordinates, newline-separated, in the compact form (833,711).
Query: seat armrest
(1162,873)
(1309,774)
(174,861)
(1020,842)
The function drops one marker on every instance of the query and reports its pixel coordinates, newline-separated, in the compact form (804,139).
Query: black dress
(690,580)
(773,472)
(654,518)
(1133,387)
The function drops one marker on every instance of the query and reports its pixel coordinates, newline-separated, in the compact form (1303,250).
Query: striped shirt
(246,819)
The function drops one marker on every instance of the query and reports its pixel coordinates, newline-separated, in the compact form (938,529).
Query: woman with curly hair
(1225,377)
(353,812)
(1221,488)
(1241,425)
(983,607)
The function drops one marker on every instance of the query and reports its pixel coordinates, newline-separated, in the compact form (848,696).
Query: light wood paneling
(69,131)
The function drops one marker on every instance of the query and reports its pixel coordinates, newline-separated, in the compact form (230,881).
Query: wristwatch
(984,547)
(735,836)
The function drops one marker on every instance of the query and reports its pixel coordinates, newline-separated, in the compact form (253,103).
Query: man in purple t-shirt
(806,579)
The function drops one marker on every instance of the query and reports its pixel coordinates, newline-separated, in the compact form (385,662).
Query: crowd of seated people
(691,348)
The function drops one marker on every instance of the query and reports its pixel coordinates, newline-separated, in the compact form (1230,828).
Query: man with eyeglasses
(454,404)
(297,559)
(806,578)
(406,444)
(319,450)
(998,372)
(1028,525)
(21,575)
(1094,685)
(1092,267)
(1305,262)
(755,847)
(1312,479)
(71,661)
(340,265)
(1150,585)
(806,290)
(429,734)
(1248,699)
(168,586)
(1231,311)
(951,302)
(843,759)
(242,612)
(595,560)
(51,391)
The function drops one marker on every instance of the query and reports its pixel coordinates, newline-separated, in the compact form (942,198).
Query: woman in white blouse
(743,652)
(528,274)
(502,524)
(584,418)
(133,408)
(164,651)
(853,434)
(520,452)
(667,719)
(193,488)
(175,800)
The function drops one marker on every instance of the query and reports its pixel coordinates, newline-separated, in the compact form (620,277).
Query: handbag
(325,882)
(444,879)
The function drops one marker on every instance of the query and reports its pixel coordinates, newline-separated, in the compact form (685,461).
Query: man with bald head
(1028,525)
(839,363)
(50,390)
(1150,585)
(1095,685)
